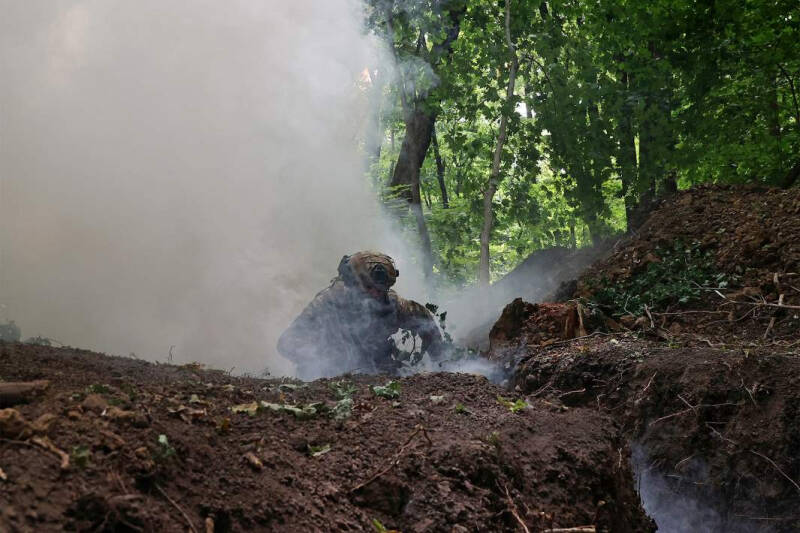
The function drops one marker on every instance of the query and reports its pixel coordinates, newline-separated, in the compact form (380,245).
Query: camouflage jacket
(345,330)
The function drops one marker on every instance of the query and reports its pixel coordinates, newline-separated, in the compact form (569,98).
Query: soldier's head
(372,272)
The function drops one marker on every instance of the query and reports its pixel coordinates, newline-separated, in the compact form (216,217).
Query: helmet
(372,271)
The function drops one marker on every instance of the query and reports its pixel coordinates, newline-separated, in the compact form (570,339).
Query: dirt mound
(545,275)
(712,260)
(116,444)
(716,432)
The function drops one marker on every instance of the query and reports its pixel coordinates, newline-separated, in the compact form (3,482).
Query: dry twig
(176,506)
(513,508)
(419,429)
(770,461)
(45,443)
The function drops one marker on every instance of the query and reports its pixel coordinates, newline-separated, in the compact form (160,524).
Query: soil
(706,392)
(464,460)
(720,426)
(753,234)
(696,408)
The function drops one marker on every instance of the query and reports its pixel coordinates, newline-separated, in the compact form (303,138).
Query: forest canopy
(512,126)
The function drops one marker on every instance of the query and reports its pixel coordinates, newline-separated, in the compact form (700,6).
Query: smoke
(684,502)
(182,173)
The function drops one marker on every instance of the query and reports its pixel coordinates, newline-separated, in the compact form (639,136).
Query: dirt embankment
(720,427)
(115,444)
(688,335)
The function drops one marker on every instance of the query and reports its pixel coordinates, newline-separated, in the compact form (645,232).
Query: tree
(495,177)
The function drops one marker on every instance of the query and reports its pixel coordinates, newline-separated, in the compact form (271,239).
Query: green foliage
(80,456)
(163,449)
(318,451)
(378,526)
(615,103)
(515,406)
(97,388)
(390,391)
(678,277)
(343,389)
(460,409)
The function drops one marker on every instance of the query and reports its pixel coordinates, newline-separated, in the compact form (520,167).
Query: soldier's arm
(301,339)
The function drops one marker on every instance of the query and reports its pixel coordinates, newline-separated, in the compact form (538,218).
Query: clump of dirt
(117,444)
(713,260)
(720,427)
(527,324)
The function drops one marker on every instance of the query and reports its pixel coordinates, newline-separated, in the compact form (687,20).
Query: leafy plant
(80,456)
(343,389)
(317,451)
(390,391)
(678,276)
(343,409)
(98,388)
(164,449)
(514,407)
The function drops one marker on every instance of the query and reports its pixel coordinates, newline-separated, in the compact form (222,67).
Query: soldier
(347,327)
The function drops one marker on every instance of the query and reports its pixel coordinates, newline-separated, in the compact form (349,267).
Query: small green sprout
(518,405)
(80,456)
(317,451)
(391,390)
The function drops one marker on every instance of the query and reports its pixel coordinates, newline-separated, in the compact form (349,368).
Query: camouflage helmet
(372,271)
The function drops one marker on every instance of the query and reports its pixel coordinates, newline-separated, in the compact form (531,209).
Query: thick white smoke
(181,173)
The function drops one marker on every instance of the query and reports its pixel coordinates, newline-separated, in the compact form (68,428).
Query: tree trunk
(494,178)
(440,170)
(791,177)
(627,151)
(405,179)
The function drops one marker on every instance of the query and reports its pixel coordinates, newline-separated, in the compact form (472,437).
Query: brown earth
(753,234)
(447,455)
(719,426)
(705,394)
(706,391)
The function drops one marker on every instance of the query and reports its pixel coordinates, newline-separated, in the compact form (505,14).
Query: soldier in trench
(355,324)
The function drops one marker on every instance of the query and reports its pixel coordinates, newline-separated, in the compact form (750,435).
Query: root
(178,507)
(513,509)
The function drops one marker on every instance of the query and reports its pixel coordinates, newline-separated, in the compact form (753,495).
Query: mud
(445,455)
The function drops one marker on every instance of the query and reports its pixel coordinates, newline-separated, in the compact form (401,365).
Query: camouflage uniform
(346,328)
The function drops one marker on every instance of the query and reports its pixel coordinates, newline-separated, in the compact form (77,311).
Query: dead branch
(762,303)
(176,506)
(45,443)
(513,508)
(12,393)
(572,392)
(578,529)
(770,461)
(772,319)
(691,408)
(644,390)
(419,429)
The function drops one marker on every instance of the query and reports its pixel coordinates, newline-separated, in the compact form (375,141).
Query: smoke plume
(181,173)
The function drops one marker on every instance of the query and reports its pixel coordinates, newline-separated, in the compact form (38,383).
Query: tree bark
(791,177)
(440,170)
(494,179)
(627,150)
(419,120)
(405,179)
